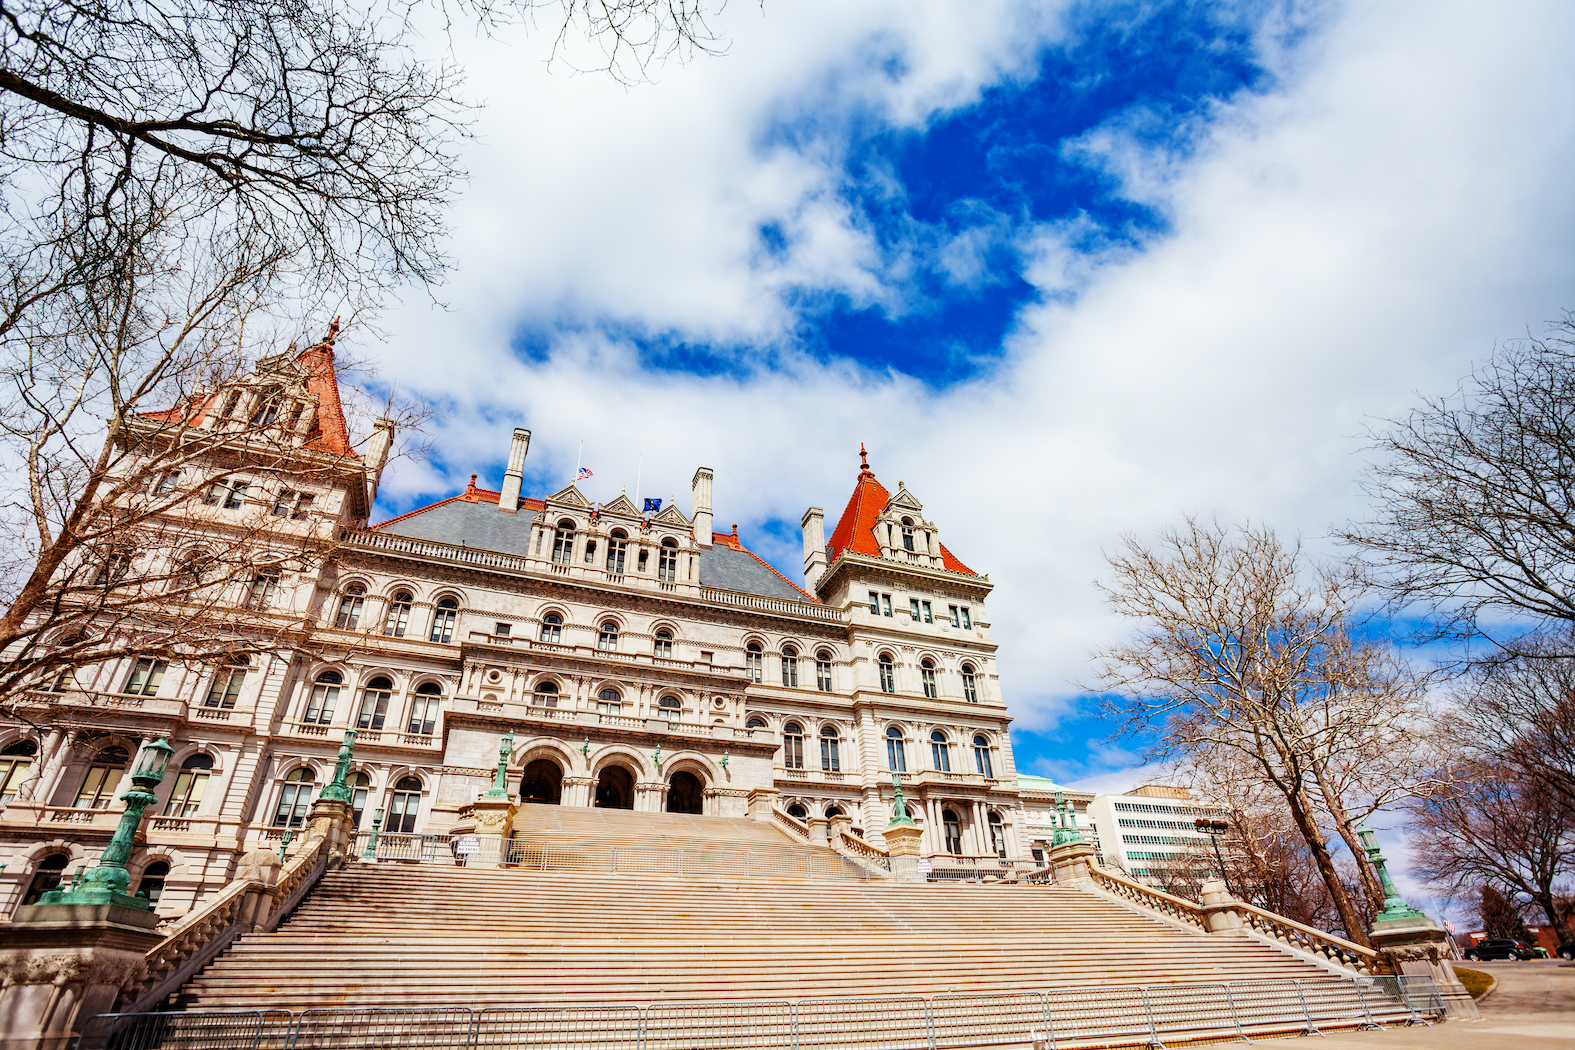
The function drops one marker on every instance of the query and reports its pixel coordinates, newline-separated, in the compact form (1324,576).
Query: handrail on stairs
(1337,950)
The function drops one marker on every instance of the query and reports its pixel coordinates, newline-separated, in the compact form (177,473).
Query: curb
(1488,974)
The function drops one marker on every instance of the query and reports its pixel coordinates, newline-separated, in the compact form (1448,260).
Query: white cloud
(1358,235)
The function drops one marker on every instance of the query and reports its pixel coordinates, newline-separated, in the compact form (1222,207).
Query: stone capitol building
(641,661)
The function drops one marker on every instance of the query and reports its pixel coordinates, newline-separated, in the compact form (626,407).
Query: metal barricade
(559,1028)
(979,1019)
(423,849)
(1270,1006)
(447,1027)
(1334,1001)
(869,1023)
(1113,1013)
(741,1024)
(196,1030)
(1202,1011)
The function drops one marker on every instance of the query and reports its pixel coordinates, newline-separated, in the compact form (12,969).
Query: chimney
(375,458)
(814,526)
(514,476)
(701,506)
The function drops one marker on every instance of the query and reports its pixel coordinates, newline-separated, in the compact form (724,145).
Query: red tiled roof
(855,530)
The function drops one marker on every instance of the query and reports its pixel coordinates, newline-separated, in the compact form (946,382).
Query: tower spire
(864,462)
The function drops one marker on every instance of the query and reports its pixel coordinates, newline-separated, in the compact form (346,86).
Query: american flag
(584,473)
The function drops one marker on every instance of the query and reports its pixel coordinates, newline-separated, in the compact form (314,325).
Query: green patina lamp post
(899,808)
(1395,906)
(338,790)
(370,853)
(1066,832)
(500,782)
(107,883)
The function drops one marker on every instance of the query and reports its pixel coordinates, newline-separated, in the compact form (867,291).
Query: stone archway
(542,782)
(685,793)
(615,788)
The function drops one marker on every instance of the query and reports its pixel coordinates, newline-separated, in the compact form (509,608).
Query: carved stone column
(63,963)
(1220,909)
(577,791)
(1418,947)
(492,818)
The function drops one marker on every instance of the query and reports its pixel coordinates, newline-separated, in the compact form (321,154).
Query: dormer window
(667,562)
(907,534)
(563,542)
(617,550)
(267,410)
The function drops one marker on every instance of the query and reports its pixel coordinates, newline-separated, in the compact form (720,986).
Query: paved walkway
(1533,1008)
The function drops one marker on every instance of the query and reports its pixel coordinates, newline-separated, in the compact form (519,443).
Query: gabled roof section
(855,530)
(570,495)
(621,507)
(731,566)
(328,433)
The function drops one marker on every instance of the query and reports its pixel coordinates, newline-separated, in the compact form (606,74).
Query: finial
(864,460)
(333,333)
(472,487)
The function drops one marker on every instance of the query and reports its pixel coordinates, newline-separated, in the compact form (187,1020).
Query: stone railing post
(761,803)
(1219,910)
(818,835)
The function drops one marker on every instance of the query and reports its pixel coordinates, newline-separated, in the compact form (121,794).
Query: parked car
(1500,948)
(1566,950)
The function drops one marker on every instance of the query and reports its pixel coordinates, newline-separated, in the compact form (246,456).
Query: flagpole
(577,460)
(639,470)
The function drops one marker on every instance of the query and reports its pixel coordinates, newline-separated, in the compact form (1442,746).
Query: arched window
(907,534)
(617,551)
(563,543)
(374,703)
(752,662)
(146,676)
(443,618)
(970,684)
(16,761)
(888,674)
(294,797)
(667,562)
(671,705)
(896,752)
(186,796)
(797,811)
(424,708)
(664,645)
(264,584)
(823,671)
(50,871)
(552,628)
(981,756)
(830,750)
(609,701)
(404,805)
(103,777)
(227,683)
(359,784)
(325,694)
(953,829)
(607,637)
(644,557)
(590,551)
(267,408)
(756,722)
(545,694)
(997,835)
(927,673)
(793,746)
(350,607)
(398,621)
(940,752)
(151,886)
(790,667)
(834,811)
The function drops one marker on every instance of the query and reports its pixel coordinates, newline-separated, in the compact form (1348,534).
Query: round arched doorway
(615,788)
(542,782)
(685,793)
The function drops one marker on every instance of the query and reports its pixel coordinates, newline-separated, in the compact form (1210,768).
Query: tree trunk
(1343,824)
(1302,815)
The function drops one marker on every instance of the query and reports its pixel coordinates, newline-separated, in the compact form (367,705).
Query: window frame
(445,618)
(830,750)
(823,677)
(927,679)
(397,622)
(789,661)
(887,668)
(940,752)
(792,746)
(896,750)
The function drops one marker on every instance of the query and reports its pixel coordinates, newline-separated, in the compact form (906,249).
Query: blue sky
(1070,271)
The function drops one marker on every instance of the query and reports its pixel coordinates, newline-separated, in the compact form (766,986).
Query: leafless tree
(1244,647)
(1519,713)
(1474,497)
(1503,829)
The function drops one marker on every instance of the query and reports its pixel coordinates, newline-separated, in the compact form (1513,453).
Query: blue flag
(653,505)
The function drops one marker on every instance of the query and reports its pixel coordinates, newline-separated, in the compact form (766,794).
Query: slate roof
(472,519)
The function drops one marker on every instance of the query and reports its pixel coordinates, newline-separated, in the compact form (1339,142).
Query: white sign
(924,866)
(468,844)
